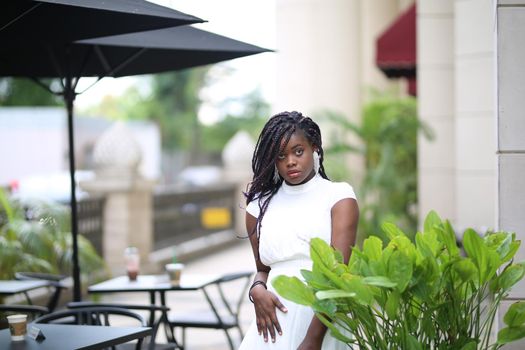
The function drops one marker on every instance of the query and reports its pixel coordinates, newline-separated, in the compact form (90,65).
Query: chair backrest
(55,281)
(233,302)
(153,322)
(95,315)
(32,311)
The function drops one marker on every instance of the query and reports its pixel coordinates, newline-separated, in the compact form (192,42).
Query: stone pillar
(128,209)
(435,80)
(510,130)
(237,157)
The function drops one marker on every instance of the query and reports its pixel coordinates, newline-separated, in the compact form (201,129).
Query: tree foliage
(24,92)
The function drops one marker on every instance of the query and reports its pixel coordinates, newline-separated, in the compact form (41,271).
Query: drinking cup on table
(132,260)
(174,271)
(17,326)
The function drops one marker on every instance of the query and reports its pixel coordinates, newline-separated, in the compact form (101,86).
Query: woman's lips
(293,174)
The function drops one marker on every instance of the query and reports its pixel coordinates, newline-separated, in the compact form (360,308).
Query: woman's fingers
(280,305)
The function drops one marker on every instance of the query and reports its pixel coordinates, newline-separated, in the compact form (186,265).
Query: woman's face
(295,163)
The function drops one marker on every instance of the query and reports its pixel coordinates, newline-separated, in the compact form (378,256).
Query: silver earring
(276,177)
(316,162)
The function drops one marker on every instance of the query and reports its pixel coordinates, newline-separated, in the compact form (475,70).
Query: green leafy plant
(427,294)
(35,236)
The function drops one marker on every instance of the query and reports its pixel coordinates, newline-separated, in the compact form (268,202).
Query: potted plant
(426,294)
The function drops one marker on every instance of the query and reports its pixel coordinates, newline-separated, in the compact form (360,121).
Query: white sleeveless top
(295,215)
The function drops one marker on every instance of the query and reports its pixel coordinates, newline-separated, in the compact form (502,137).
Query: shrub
(427,294)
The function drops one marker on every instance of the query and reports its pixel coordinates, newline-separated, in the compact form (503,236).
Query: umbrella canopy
(154,51)
(147,52)
(64,21)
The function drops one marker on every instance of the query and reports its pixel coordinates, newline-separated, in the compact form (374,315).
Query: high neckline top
(302,188)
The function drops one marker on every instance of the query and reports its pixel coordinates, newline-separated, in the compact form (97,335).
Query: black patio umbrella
(147,52)
(69,20)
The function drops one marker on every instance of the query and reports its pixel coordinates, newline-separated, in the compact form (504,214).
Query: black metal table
(69,337)
(153,285)
(12,287)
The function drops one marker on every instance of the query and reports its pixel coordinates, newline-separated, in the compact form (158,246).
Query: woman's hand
(266,303)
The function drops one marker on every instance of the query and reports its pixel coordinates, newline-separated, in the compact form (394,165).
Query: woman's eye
(280,157)
(299,152)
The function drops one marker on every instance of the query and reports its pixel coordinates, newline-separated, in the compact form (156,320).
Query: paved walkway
(238,257)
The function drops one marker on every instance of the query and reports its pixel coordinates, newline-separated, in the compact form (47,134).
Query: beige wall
(511,128)
(436,104)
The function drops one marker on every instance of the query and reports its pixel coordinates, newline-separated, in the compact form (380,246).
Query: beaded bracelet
(253,285)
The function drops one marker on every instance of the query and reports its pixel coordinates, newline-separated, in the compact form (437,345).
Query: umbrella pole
(69,97)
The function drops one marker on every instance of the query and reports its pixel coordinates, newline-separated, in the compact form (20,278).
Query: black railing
(90,221)
(182,215)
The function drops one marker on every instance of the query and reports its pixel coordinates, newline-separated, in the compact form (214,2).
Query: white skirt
(294,323)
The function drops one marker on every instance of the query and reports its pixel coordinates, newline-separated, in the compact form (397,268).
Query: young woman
(289,201)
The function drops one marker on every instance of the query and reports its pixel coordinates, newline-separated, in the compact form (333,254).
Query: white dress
(294,216)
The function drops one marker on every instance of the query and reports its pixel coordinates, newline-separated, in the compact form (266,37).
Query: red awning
(396,46)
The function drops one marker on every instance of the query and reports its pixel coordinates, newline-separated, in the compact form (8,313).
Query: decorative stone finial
(238,151)
(116,152)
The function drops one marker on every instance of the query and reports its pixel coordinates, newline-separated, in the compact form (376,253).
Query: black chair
(95,316)
(32,312)
(224,311)
(57,282)
(154,321)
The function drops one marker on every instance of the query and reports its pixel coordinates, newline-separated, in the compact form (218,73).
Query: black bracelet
(253,285)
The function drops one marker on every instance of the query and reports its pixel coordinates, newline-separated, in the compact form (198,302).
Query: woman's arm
(265,302)
(345,216)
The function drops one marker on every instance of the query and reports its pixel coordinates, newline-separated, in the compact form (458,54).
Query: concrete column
(376,17)
(475,104)
(436,159)
(511,128)
(128,208)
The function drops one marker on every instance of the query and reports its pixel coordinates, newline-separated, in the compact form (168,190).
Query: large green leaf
(399,270)
(515,315)
(379,281)
(373,248)
(391,230)
(477,251)
(392,304)
(362,292)
(432,219)
(510,334)
(465,269)
(333,294)
(510,276)
(293,289)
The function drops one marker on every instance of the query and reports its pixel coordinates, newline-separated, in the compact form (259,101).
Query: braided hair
(277,129)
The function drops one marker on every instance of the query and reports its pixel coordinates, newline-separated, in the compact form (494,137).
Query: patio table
(67,337)
(12,287)
(153,285)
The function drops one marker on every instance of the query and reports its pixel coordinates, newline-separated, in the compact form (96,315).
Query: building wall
(510,129)
(436,107)
(474,111)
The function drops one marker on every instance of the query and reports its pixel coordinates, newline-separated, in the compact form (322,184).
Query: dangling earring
(276,177)
(316,162)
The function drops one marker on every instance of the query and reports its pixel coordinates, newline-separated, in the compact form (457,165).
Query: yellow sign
(216,218)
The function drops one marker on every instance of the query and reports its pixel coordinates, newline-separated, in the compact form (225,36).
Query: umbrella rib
(102,58)
(127,61)
(20,16)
